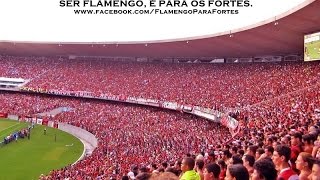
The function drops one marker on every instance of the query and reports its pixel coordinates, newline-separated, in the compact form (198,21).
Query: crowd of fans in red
(206,85)
(278,107)
(127,135)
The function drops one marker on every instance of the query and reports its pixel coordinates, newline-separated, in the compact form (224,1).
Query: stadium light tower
(230,34)
(275,21)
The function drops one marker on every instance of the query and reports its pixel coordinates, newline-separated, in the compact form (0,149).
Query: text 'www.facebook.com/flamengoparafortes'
(153,11)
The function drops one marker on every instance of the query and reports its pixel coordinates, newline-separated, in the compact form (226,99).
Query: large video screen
(312,47)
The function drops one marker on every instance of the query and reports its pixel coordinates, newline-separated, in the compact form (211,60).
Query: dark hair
(213,168)
(253,148)
(297,135)
(143,176)
(270,149)
(260,151)
(200,164)
(308,138)
(260,144)
(284,150)
(250,159)
(227,153)
(179,162)
(274,138)
(268,159)
(189,162)
(239,172)
(222,164)
(125,178)
(241,152)
(211,153)
(144,169)
(266,169)
(154,166)
(288,138)
(134,168)
(315,161)
(170,169)
(237,159)
(234,148)
(164,164)
(202,153)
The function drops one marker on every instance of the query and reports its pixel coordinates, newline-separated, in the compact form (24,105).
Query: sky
(47,21)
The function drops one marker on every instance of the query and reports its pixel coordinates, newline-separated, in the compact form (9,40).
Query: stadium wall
(89,141)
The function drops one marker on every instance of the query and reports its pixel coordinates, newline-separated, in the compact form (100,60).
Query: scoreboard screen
(312,47)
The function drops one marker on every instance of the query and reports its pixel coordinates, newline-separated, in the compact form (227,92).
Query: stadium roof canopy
(277,36)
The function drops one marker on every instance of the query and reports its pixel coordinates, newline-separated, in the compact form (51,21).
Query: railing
(210,114)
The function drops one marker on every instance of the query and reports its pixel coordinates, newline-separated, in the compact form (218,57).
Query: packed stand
(141,143)
(278,110)
(207,85)
(127,135)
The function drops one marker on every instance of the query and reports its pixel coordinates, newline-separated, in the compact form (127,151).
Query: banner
(13,117)
(22,119)
(229,122)
(3,115)
(224,121)
(152,102)
(169,105)
(109,97)
(39,121)
(45,122)
(186,108)
(51,123)
(132,100)
(55,125)
(211,117)
(207,113)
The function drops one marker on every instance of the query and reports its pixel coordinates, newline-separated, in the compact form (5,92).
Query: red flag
(224,121)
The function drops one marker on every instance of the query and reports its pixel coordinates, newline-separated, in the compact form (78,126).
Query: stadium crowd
(206,85)
(278,107)
(128,135)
